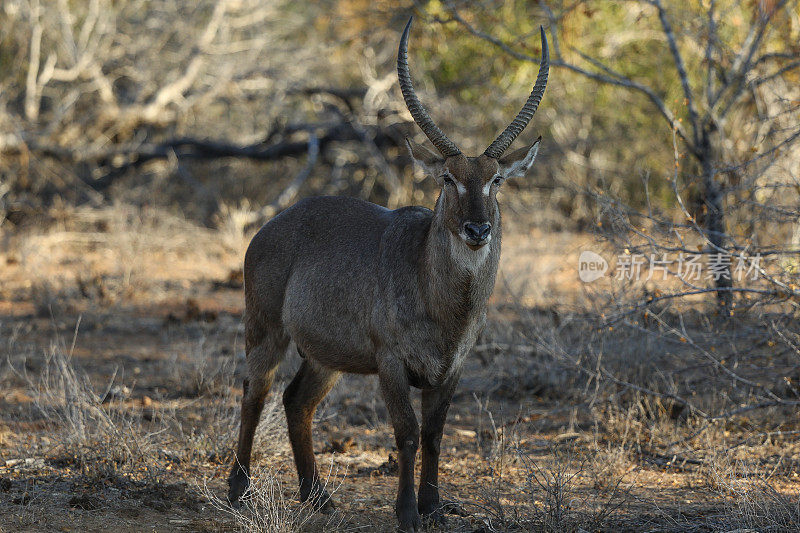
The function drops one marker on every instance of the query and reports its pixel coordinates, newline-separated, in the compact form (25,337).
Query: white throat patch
(465,257)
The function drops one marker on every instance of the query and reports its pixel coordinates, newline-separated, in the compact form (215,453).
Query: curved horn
(421,116)
(525,115)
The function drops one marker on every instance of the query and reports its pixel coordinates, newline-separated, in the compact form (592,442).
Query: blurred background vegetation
(228,111)
(142,142)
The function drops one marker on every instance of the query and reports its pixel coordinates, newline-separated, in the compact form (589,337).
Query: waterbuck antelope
(363,289)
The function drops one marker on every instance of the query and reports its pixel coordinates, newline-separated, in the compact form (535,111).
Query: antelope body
(363,289)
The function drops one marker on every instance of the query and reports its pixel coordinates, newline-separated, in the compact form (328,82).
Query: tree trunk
(715,223)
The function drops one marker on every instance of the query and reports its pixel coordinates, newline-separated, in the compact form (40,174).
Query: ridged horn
(525,115)
(421,116)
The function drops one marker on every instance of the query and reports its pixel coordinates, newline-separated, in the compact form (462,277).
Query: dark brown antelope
(363,289)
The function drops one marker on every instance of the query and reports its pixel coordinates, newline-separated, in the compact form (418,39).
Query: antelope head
(470,184)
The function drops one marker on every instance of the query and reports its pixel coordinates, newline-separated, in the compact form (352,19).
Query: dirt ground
(122,348)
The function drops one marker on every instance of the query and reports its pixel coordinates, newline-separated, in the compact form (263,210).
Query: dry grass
(269,506)
(121,386)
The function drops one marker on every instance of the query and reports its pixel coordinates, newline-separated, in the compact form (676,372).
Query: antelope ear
(429,161)
(517,163)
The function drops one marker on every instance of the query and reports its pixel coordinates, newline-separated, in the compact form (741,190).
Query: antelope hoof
(428,506)
(411,526)
(319,500)
(410,521)
(237,485)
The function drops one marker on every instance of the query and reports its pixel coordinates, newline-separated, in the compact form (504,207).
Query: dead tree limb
(117,160)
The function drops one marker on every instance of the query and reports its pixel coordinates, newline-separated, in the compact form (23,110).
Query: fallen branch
(119,159)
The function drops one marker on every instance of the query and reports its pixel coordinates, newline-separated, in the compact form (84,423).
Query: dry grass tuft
(269,506)
(94,428)
(753,501)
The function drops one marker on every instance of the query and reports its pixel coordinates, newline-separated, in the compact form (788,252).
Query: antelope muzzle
(477,234)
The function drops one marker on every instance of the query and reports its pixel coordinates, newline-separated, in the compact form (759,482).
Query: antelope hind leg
(311,384)
(264,353)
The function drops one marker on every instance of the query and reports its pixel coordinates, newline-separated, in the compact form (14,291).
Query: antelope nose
(477,232)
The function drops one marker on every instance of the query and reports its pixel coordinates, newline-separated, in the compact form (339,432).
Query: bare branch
(681,67)
(710,44)
(777,74)
(32,90)
(347,96)
(742,64)
(175,90)
(613,78)
(553,29)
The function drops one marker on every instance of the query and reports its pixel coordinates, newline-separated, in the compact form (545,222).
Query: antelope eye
(447,180)
(498,180)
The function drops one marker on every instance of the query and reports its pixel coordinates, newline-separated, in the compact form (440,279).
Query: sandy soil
(148,309)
